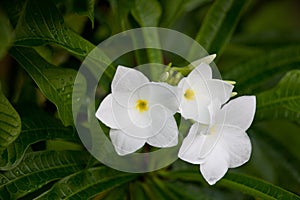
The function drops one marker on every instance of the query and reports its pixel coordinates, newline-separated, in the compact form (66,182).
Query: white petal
(125,81)
(133,127)
(105,112)
(189,150)
(207,60)
(158,93)
(238,112)
(182,83)
(167,137)
(199,143)
(123,143)
(215,165)
(187,107)
(130,123)
(140,119)
(219,89)
(192,109)
(160,117)
(205,93)
(213,89)
(195,108)
(237,144)
(232,150)
(203,72)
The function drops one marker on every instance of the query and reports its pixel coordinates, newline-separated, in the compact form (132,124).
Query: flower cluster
(139,111)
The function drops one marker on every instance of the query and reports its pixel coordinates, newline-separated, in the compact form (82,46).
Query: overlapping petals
(139,111)
(224,143)
(199,90)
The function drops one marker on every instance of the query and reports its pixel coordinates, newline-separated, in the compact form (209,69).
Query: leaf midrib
(48,81)
(39,171)
(279,101)
(98,182)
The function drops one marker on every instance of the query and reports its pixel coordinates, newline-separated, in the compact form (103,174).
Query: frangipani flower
(139,111)
(223,143)
(198,92)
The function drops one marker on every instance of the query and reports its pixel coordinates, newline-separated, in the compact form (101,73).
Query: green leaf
(254,72)
(41,23)
(190,191)
(194,4)
(121,10)
(10,122)
(246,184)
(147,12)
(86,8)
(268,39)
(260,28)
(171,11)
(55,83)
(219,24)
(256,187)
(39,127)
(6,34)
(152,192)
(38,169)
(281,102)
(276,151)
(175,10)
(136,191)
(115,194)
(13,9)
(87,183)
(161,187)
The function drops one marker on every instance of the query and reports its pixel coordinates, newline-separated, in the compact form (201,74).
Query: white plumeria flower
(222,144)
(139,111)
(199,89)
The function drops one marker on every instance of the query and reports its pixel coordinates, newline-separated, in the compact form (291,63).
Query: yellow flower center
(189,94)
(141,105)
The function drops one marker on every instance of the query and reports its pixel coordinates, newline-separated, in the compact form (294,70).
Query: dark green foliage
(42,44)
